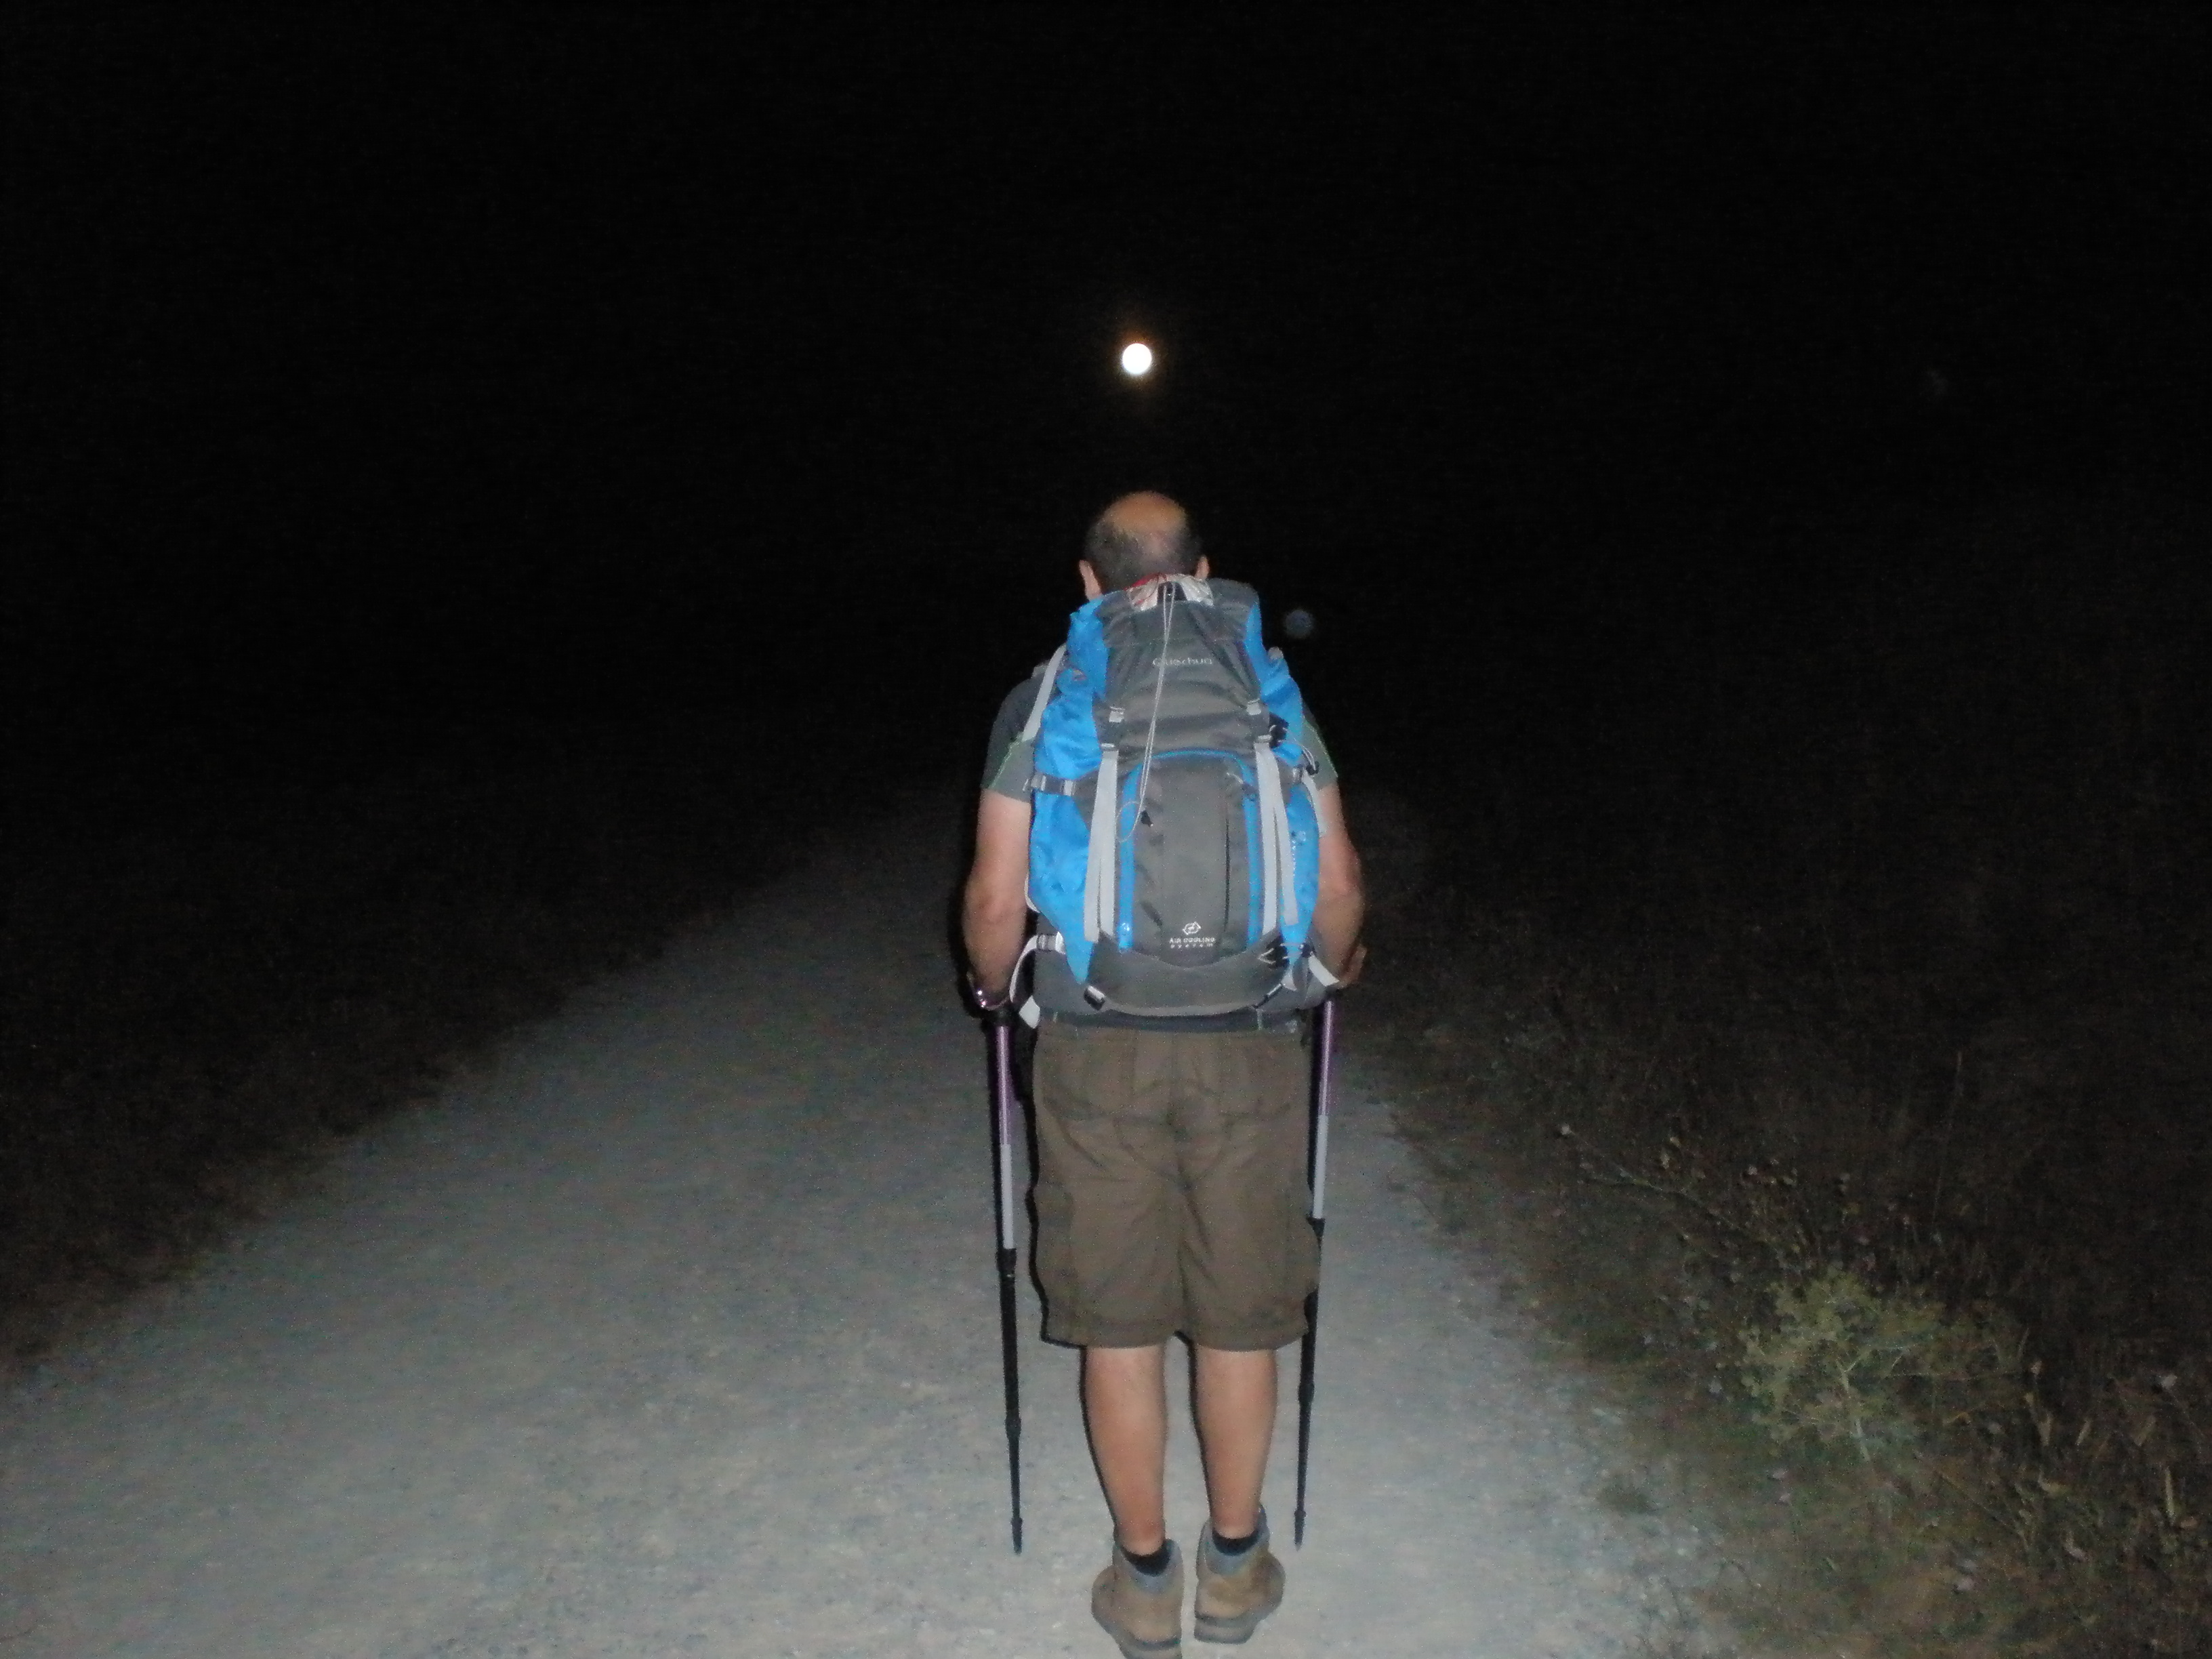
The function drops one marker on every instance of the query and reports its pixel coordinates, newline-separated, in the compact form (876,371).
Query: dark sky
(569,360)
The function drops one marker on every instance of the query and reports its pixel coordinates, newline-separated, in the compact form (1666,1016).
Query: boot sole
(1229,1632)
(1136,1648)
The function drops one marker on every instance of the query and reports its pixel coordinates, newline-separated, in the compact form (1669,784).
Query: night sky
(386,372)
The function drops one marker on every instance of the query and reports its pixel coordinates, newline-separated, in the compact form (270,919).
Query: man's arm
(1340,908)
(994,910)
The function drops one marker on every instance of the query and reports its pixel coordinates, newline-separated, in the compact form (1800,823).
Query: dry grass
(1859,1102)
(1949,1476)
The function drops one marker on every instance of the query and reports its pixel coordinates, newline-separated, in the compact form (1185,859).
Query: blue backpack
(1173,849)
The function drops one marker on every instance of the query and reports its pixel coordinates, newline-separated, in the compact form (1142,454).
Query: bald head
(1139,536)
(1147,514)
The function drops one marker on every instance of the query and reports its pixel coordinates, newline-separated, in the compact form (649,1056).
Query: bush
(1844,1362)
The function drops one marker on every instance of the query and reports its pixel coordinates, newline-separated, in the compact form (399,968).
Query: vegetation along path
(674,1330)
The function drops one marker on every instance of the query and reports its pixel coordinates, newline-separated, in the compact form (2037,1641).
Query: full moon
(1136,360)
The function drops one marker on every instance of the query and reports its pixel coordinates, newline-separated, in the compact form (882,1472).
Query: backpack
(1174,855)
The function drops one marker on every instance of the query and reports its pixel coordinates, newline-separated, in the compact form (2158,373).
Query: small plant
(1845,1362)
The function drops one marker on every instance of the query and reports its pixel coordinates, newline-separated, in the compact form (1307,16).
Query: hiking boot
(1141,1612)
(1235,1595)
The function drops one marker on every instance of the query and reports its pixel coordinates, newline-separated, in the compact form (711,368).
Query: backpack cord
(1159,690)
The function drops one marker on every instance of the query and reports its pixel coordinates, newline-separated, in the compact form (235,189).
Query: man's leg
(1125,1406)
(1235,1410)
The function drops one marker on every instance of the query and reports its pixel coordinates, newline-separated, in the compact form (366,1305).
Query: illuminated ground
(674,1332)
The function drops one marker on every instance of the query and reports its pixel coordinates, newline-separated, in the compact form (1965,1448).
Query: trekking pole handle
(985,1004)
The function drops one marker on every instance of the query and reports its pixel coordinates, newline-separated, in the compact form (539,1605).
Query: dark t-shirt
(1007,771)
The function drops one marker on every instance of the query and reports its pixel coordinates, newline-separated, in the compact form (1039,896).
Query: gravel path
(674,1331)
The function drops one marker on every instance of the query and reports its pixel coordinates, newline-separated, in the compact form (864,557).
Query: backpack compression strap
(1279,901)
(1100,901)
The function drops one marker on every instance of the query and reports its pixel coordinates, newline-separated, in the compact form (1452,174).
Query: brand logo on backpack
(1192,940)
(1183,662)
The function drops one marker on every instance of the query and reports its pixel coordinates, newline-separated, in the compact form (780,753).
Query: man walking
(1170,1194)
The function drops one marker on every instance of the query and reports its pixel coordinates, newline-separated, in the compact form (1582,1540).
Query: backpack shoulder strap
(1046,676)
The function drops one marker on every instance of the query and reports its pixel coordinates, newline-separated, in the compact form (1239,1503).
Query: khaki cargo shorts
(1171,1187)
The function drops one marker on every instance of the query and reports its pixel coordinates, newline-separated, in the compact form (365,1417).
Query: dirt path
(674,1332)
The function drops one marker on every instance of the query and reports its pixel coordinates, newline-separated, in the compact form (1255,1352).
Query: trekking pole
(1003,1109)
(1324,1080)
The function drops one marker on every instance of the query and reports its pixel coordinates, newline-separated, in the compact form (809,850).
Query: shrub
(1846,1362)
